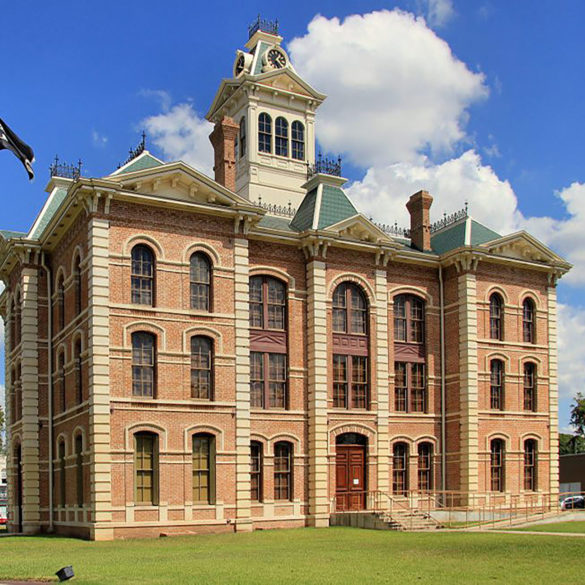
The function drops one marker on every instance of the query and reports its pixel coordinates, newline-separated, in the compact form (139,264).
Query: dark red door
(350,485)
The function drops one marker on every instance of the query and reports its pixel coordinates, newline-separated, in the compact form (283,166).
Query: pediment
(360,228)
(523,246)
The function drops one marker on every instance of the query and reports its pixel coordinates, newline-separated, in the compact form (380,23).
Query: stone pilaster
(242,338)
(468,385)
(382,389)
(30,402)
(99,378)
(553,393)
(9,389)
(317,362)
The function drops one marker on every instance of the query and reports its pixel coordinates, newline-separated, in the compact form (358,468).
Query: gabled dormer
(274,109)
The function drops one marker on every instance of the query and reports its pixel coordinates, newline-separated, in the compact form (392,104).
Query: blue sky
(497,120)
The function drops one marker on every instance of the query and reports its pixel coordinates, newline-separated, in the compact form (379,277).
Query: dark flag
(10,141)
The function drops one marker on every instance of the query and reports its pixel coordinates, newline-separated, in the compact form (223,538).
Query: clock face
(276,58)
(240,62)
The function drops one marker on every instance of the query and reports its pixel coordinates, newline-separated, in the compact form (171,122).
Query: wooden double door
(350,474)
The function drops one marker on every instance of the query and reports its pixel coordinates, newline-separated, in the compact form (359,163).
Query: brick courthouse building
(188,354)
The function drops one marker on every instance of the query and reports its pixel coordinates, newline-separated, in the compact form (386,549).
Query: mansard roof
(466,232)
(145,160)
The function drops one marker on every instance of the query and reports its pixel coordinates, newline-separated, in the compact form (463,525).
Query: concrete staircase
(403,519)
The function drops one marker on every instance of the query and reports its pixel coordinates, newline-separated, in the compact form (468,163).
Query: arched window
(77,284)
(61,302)
(530,465)
(78,371)
(13,396)
(350,346)
(409,319)
(61,379)
(142,275)
(18,392)
(204,468)
(18,320)
(143,364)
(79,469)
(425,467)
(243,137)
(62,471)
(200,276)
(528,321)
(256,471)
(264,133)
(496,317)
(497,465)
(281,136)
(201,367)
(497,385)
(268,355)
(298,140)
(283,485)
(530,386)
(400,468)
(146,468)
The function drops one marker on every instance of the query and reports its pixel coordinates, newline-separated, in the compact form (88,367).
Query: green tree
(569,444)
(577,419)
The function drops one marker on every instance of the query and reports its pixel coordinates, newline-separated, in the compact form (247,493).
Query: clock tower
(275,110)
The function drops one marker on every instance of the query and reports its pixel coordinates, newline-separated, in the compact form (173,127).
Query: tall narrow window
(409,317)
(77,284)
(145,468)
(529,387)
(497,465)
(142,275)
(350,381)
(78,372)
(256,471)
(530,461)
(298,140)
(200,276)
(13,413)
(425,467)
(528,321)
(62,385)
(283,471)
(204,469)
(143,360)
(201,367)
(497,385)
(13,342)
(268,356)
(19,392)
(400,387)
(243,137)
(400,468)
(18,320)
(79,469)
(264,133)
(281,137)
(61,302)
(62,471)
(350,310)
(410,390)
(496,317)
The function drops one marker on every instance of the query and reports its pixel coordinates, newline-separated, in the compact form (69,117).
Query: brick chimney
(223,139)
(418,206)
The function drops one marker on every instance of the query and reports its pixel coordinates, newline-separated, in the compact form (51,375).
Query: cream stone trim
(427,439)
(242,348)
(205,331)
(286,438)
(206,248)
(79,430)
(417,291)
(500,290)
(355,278)
(148,327)
(188,433)
(382,369)
(553,390)
(497,435)
(497,355)
(402,439)
(317,342)
(469,392)
(99,379)
(145,426)
(77,252)
(258,270)
(146,240)
(530,435)
(530,294)
(30,401)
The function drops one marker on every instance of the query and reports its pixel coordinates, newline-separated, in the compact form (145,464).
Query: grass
(576,526)
(303,556)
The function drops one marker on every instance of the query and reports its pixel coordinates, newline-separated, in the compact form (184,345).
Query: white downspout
(50,381)
(443,389)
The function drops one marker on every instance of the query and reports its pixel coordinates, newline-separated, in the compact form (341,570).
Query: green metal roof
(144,161)
(454,236)
(275,223)
(335,206)
(303,219)
(48,211)
(9,235)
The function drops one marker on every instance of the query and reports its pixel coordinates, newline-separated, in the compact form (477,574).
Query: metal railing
(263,24)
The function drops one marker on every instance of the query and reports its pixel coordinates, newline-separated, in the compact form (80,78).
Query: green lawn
(575,526)
(337,556)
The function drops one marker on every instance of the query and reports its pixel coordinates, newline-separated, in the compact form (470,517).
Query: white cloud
(395,88)
(571,327)
(437,12)
(182,134)
(160,95)
(98,139)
